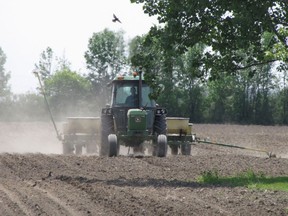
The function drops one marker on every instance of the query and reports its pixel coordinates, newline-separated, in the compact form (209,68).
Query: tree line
(220,62)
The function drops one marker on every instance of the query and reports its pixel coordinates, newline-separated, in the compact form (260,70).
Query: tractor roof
(126,78)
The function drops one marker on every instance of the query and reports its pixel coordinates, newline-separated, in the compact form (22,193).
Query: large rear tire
(107,127)
(160,125)
(113,145)
(161,145)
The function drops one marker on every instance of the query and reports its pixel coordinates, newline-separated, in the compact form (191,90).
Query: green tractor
(132,119)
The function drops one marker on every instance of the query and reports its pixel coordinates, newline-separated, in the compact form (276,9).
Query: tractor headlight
(107,111)
(161,111)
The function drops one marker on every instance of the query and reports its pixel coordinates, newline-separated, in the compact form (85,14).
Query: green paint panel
(137,120)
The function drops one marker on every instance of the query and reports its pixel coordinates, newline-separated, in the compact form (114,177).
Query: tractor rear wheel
(160,125)
(113,145)
(161,145)
(107,127)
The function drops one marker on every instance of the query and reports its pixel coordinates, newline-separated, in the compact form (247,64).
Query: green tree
(279,49)
(69,93)
(279,97)
(44,65)
(4,77)
(241,109)
(178,73)
(5,92)
(105,58)
(264,84)
(146,52)
(190,82)
(26,107)
(225,26)
(158,65)
(283,106)
(218,101)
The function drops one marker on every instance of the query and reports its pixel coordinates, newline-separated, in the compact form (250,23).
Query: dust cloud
(29,137)
(33,132)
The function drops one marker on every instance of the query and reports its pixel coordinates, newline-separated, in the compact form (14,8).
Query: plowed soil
(35,179)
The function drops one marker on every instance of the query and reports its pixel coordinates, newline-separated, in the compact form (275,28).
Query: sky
(28,27)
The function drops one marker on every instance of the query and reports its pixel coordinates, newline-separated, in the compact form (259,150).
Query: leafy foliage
(5,92)
(105,55)
(68,92)
(4,77)
(26,107)
(279,49)
(45,63)
(226,26)
(105,58)
(145,53)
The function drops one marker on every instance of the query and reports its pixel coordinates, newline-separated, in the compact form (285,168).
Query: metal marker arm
(59,137)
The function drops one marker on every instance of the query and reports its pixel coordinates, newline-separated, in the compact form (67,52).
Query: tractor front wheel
(161,145)
(113,145)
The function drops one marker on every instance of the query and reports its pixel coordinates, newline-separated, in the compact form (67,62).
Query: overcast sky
(28,27)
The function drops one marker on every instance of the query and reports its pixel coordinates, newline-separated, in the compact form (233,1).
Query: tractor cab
(126,93)
(131,99)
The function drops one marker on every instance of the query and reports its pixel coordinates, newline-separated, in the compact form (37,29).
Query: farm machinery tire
(185,149)
(107,128)
(113,145)
(161,145)
(174,149)
(160,127)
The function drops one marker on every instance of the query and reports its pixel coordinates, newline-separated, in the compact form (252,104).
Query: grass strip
(248,179)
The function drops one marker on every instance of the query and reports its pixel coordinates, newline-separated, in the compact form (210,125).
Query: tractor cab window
(126,94)
(146,101)
(133,98)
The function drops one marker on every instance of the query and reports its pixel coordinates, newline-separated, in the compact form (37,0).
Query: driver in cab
(132,100)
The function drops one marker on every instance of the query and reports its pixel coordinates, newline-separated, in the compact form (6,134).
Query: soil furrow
(54,184)
(11,204)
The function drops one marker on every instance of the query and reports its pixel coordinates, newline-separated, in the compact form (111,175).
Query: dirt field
(35,179)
